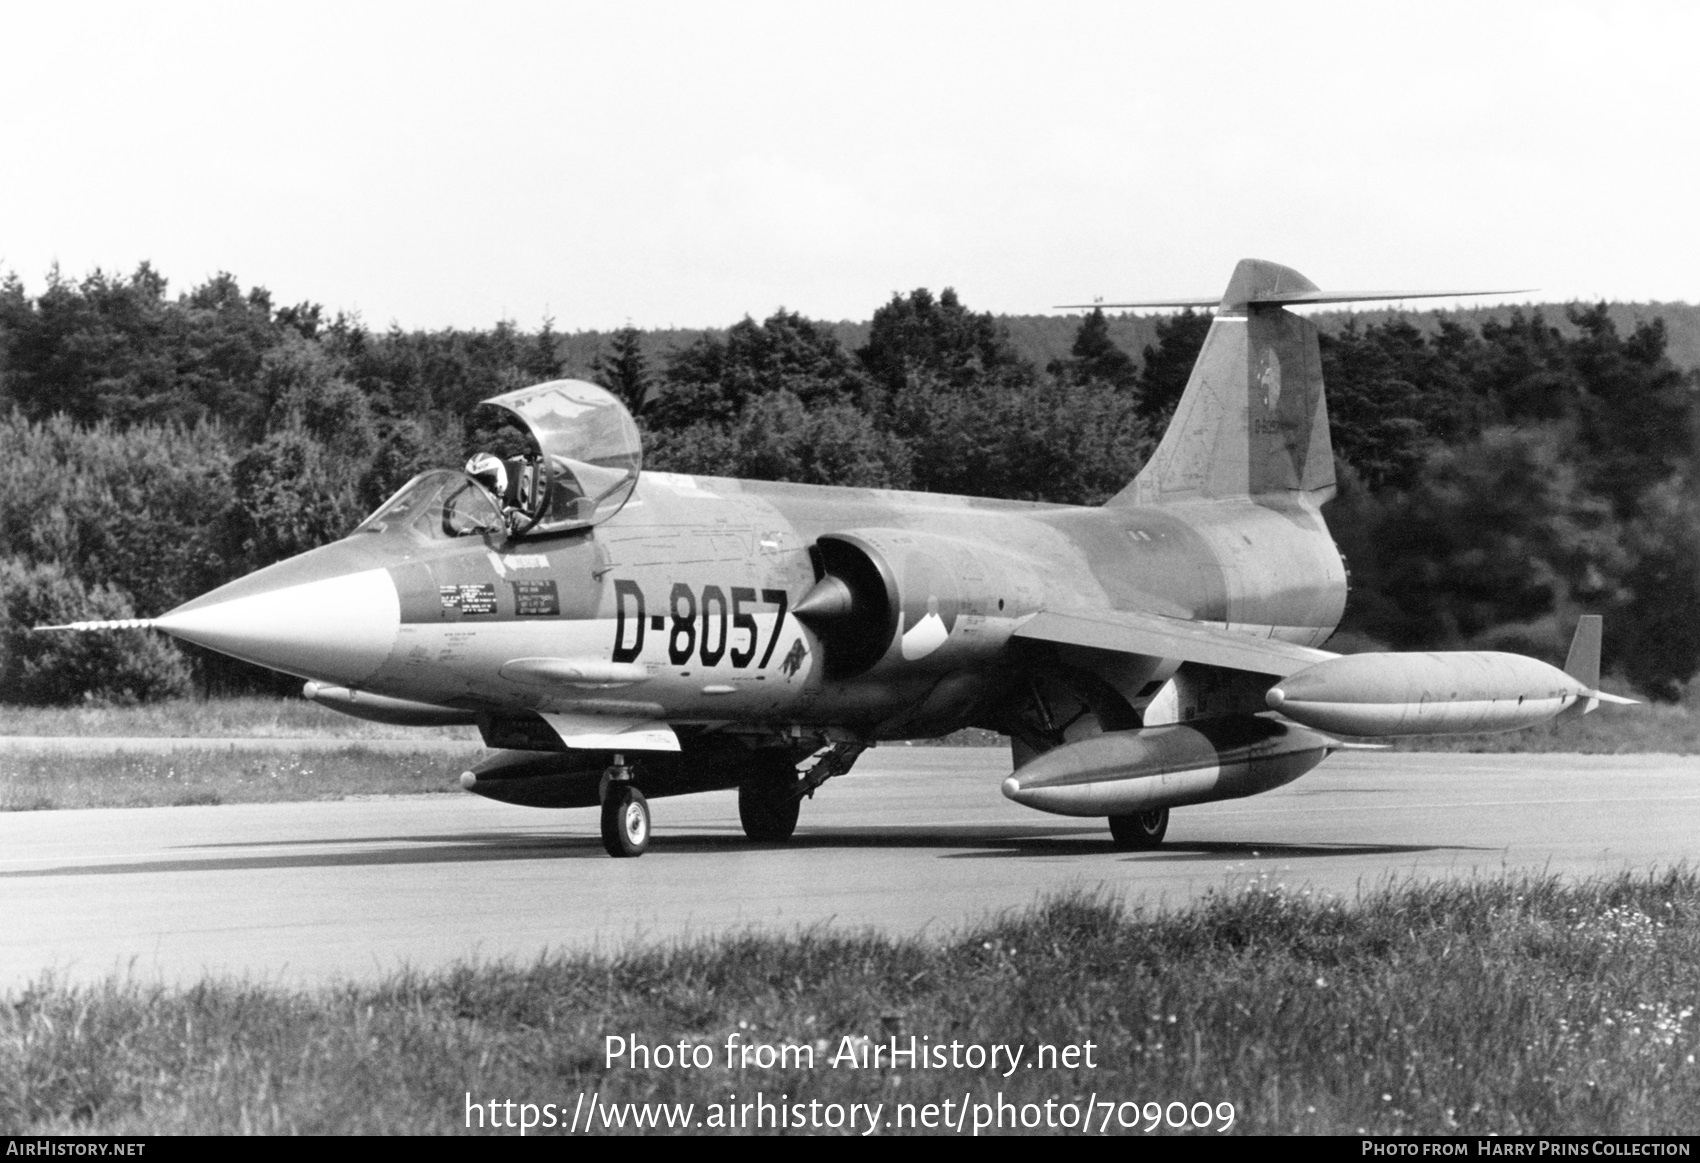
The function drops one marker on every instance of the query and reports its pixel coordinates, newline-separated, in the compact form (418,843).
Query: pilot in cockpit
(489,471)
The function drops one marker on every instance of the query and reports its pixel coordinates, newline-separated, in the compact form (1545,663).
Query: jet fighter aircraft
(618,636)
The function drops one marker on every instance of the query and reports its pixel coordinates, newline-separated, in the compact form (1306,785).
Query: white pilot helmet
(489,471)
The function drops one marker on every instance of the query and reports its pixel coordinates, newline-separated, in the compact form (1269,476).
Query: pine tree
(1095,358)
(625,370)
(1168,365)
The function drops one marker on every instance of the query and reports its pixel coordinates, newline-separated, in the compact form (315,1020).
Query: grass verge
(1664,728)
(37,781)
(239,718)
(1520,1005)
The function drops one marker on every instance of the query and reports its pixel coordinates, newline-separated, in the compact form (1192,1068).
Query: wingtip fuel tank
(1465,692)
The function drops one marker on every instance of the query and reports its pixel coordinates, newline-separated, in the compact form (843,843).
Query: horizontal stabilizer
(1155,636)
(1301,297)
(1212,301)
(1294,298)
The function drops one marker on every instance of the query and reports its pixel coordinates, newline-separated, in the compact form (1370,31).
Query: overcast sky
(451,164)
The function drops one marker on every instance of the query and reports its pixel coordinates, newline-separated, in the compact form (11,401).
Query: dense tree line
(1499,483)
(1497,479)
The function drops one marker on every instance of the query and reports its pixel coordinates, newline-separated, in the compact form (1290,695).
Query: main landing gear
(770,799)
(1142,830)
(768,805)
(625,812)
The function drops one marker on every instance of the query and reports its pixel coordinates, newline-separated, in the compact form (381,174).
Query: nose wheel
(625,820)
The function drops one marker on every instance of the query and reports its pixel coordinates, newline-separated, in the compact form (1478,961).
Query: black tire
(1144,830)
(768,806)
(625,821)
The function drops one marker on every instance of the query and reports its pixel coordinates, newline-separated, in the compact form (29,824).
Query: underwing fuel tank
(1458,692)
(572,779)
(1122,773)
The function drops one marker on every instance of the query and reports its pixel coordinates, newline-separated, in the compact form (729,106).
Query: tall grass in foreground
(1513,1006)
(35,781)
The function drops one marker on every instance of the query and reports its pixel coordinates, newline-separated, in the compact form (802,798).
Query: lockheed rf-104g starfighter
(619,636)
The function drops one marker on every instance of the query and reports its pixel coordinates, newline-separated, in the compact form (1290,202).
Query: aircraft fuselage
(682,605)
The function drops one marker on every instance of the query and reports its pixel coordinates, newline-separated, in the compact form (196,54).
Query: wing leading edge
(1155,636)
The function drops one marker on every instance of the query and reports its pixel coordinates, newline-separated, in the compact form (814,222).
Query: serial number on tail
(708,625)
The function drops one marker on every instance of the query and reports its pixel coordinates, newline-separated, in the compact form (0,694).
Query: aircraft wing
(1129,632)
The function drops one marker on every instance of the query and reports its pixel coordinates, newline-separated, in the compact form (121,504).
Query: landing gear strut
(625,813)
(1144,830)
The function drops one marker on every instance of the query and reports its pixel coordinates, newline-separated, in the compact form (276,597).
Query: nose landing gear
(625,812)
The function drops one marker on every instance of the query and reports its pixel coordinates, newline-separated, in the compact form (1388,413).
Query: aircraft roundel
(931,602)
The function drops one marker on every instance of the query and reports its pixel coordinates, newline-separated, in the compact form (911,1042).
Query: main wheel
(1144,830)
(768,805)
(625,821)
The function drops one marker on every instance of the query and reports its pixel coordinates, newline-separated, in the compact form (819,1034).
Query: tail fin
(1252,421)
(1583,665)
(1583,661)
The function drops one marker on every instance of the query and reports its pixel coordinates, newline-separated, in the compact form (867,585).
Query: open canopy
(591,454)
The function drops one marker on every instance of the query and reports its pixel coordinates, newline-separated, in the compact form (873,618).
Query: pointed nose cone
(331,614)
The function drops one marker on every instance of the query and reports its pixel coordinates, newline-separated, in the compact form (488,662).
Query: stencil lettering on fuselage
(470,600)
(1269,378)
(709,625)
(536,599)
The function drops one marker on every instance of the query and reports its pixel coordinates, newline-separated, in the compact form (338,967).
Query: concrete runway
(916,840)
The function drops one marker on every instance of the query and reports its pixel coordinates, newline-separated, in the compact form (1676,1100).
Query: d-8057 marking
(684,639)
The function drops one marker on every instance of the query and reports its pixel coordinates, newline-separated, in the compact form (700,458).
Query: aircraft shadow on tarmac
(968,842)
(1201,850)
(1244,850)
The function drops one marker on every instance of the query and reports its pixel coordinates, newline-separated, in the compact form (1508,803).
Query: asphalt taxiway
(915,841)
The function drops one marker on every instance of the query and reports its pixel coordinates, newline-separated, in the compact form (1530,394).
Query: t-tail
(1253,421)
